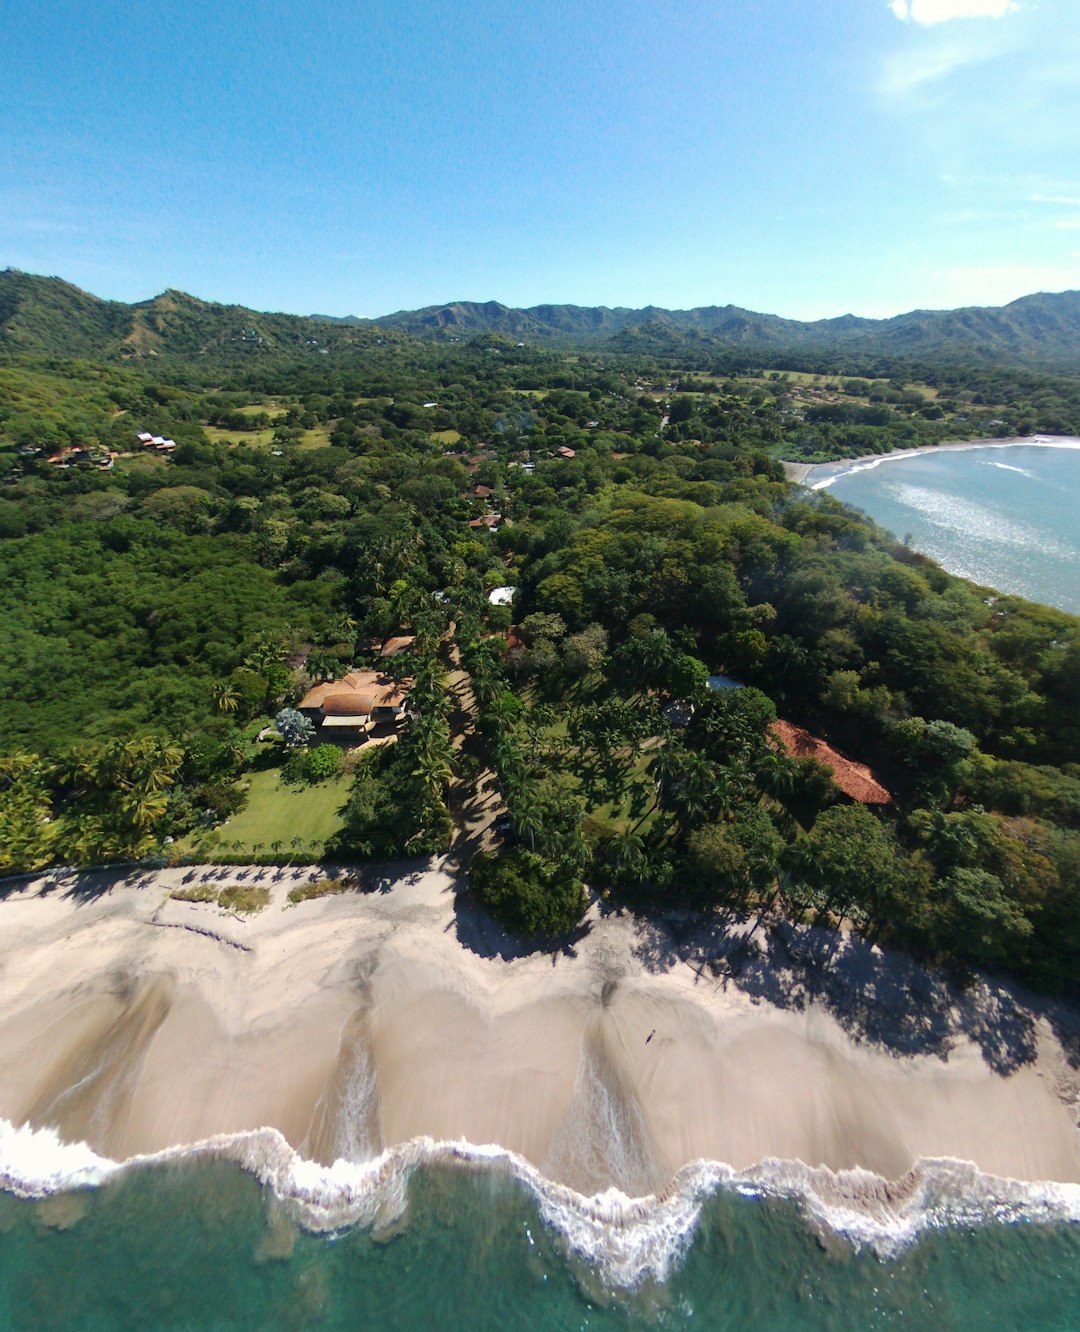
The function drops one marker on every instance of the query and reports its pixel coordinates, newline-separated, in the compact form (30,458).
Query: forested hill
(49,317)
(1042,330)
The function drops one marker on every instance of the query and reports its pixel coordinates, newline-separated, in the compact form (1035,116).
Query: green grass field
(317,438)
(276,812)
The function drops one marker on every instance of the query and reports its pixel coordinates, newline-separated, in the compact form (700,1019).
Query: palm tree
(262,656)
(625,850)
(664,767)
(527,819)
(226,699)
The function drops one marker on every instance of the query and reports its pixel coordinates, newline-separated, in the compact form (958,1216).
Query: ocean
(196,1241)
(1005,515)
(205,1246)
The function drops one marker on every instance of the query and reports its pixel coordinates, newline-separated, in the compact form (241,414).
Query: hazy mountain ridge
(47,316)
(1039,329)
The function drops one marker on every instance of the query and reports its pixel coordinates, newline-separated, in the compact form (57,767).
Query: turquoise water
(204,1245)
(1006,516)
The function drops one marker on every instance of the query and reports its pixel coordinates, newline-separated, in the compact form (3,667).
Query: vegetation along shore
(693,782)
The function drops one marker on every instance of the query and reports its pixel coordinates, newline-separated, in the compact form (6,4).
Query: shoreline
(622,1066)
(797,472)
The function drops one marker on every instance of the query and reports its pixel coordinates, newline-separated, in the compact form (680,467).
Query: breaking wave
(868,464)
(626,1240)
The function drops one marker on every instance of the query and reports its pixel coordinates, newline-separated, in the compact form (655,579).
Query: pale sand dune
(357,1022)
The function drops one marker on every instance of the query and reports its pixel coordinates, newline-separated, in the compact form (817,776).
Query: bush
(528,894)
(222,799)
(305,892)
(312,765)
(246,900)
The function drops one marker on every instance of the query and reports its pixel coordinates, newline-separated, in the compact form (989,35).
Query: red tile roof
(854,779)
(352,704)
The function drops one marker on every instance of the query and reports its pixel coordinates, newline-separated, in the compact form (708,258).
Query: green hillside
(47,317)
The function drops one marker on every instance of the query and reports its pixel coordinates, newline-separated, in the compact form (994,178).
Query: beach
(355,1023)
(799,471)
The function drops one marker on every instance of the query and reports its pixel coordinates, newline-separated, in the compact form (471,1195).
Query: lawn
(618,794)
(278,813)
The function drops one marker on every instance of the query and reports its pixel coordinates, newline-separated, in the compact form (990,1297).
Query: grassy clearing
(447,436)
(306,892)
(269,405)
(253,438)
(317,438)
(618,794)
(276,813)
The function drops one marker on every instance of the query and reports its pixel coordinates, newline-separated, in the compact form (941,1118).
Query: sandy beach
(136,1022)
(799,471)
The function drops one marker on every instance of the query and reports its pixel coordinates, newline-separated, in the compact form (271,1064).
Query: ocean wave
(868,464)
(1008,467)
(626,1240)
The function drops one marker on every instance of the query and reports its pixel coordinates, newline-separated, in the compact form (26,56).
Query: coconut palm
(625,851)
(226,699)
(527,819)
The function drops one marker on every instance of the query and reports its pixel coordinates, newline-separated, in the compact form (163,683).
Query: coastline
(797,472)
(334,1045)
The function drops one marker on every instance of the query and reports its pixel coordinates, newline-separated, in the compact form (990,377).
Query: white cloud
(927,12)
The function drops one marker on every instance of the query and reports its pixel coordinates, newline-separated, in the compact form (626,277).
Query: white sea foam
(627,1240)
(902,455)
(1008,467)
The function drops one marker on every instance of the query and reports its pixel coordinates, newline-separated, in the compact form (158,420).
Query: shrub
(323,762)
(312,765)
(528,894)
(304,892)
(222,799)
(243,899)
(199,892)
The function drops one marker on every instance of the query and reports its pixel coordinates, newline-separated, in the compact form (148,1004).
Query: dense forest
(205,513)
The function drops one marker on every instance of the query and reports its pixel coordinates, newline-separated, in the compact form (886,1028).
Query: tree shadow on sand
(481,934)
(886,999)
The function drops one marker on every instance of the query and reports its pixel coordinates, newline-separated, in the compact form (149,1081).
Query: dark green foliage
(528,894)
(314,503)
(312,765)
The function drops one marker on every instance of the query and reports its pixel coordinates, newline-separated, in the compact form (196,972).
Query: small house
(855,780)
(355,704)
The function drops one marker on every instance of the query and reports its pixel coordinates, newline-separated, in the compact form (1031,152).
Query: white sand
(799,471)
(356,1022)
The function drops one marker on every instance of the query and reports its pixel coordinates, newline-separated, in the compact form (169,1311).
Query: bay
(1006,516)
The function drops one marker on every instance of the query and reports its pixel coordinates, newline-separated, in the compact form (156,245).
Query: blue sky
(808,157)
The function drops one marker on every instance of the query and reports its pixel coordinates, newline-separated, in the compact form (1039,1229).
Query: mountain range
(46,316)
